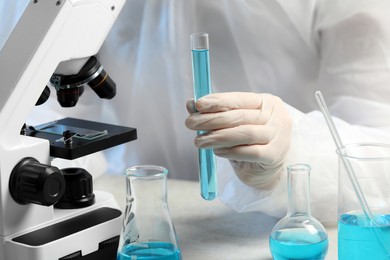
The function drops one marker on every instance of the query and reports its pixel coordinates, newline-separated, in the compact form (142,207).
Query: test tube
(202,87)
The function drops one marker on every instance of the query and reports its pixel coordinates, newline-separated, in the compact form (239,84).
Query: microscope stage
(71,138)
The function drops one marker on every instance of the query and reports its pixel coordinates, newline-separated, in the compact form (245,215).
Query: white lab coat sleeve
(355,54)
(354,45)
(311,144)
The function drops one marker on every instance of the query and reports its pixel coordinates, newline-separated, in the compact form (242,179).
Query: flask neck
(298,189)
(145,190)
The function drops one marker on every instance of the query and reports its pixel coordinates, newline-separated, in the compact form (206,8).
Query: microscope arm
(49,34)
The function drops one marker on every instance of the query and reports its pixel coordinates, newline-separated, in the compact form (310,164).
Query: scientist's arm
(251,130)
(354,48)
(354,51)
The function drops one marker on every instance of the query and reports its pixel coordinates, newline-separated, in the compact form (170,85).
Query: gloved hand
(252,130)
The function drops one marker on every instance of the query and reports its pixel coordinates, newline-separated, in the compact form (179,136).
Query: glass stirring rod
(202,87)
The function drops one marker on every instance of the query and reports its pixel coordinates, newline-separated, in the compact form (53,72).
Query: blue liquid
(208,183)
(149,251)
(359,238)
(298,243)
(202,87)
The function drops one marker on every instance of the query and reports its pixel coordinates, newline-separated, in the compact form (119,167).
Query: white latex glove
(252,130)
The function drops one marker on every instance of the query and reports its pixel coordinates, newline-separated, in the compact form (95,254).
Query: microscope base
(84,234)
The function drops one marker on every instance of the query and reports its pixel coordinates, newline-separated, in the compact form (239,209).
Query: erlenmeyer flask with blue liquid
(298,235)
(148,231)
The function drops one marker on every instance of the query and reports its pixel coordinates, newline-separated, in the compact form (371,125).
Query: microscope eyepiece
(70,87)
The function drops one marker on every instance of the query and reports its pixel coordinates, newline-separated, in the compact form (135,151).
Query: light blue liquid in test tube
(202,87)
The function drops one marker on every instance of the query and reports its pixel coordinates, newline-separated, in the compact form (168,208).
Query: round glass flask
(298,235)
(148,231)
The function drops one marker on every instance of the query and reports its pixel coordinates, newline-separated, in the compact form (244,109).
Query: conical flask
(298,235)
(148,231)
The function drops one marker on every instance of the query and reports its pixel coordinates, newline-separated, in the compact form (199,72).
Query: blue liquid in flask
(206,157)
(298,244)
(149,251)
(358,237)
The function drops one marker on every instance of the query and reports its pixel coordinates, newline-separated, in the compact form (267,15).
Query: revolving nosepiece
(70,87)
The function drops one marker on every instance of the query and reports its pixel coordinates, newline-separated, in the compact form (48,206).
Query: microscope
(47,213)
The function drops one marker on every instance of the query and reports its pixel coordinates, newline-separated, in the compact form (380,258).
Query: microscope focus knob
(79,189)
(33,182)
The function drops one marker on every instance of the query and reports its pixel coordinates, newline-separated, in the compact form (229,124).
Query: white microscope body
(49,34)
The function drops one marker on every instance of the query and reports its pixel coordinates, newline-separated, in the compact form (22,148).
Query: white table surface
(208,229)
